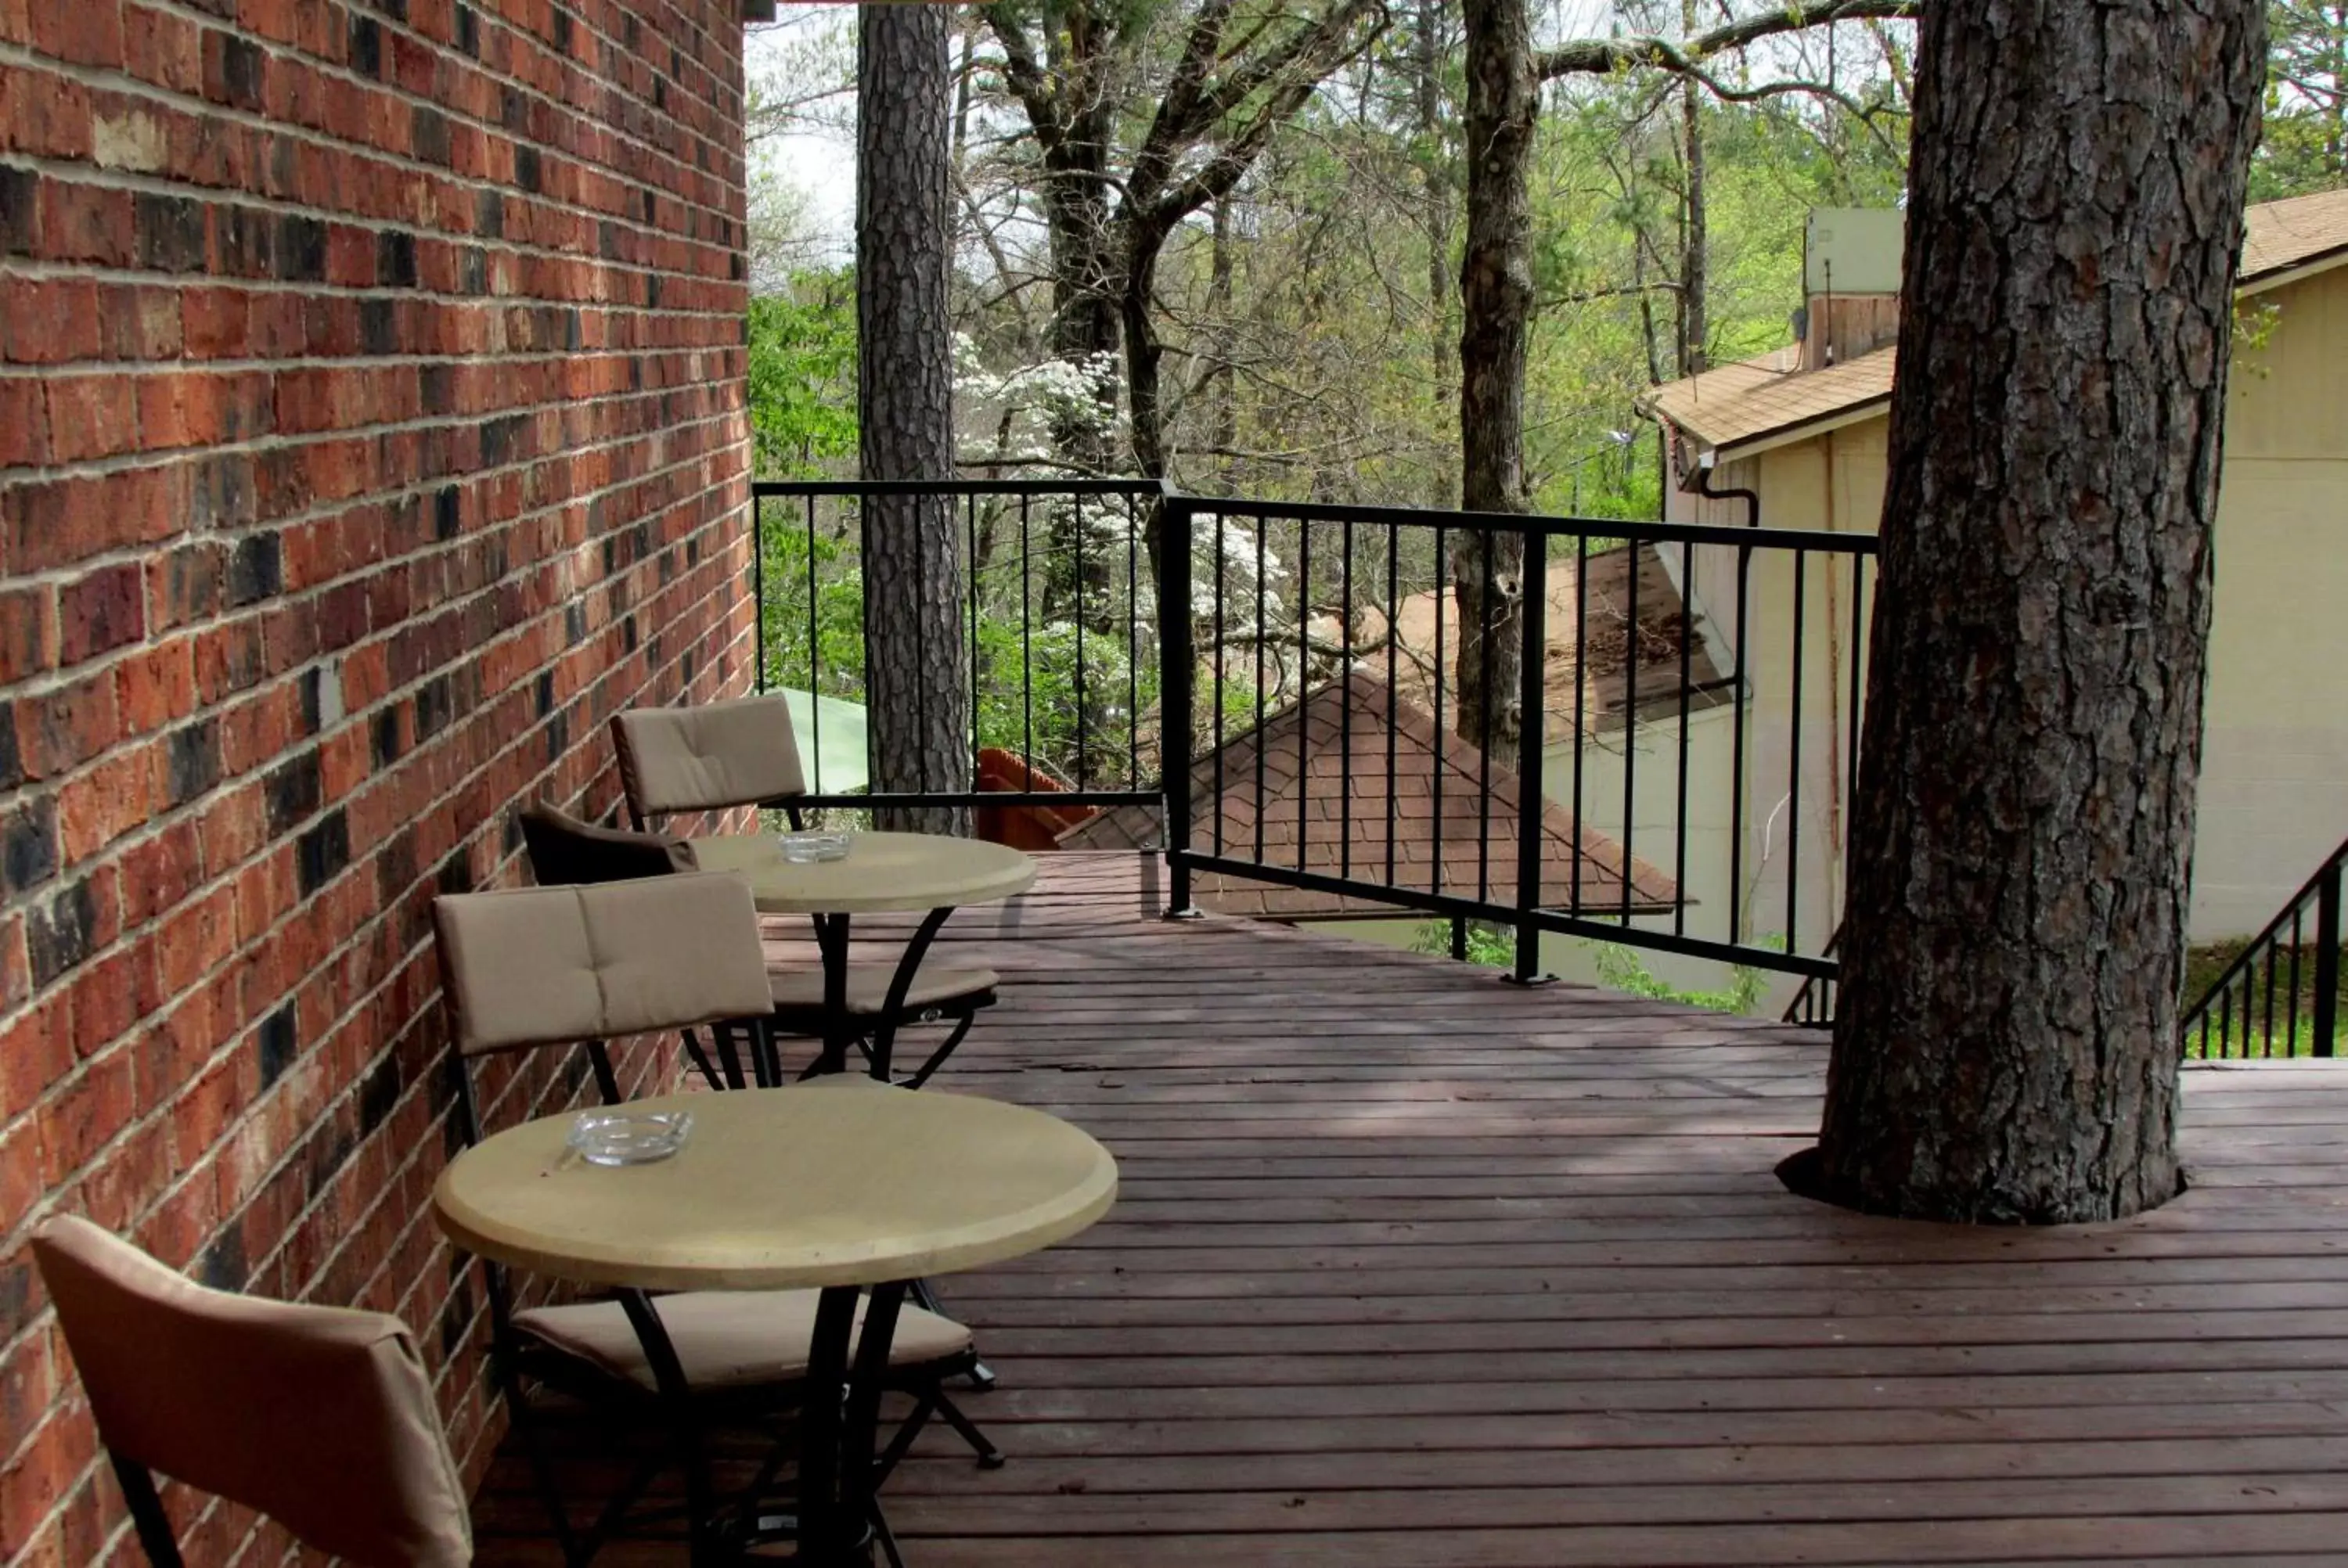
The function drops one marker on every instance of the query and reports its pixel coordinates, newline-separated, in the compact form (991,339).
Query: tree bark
(1695,325)
(916,681)
(1496,297)
(1426,68)
(2006,1045)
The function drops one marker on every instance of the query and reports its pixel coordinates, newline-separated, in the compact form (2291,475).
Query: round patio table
(780,1189)
(883,873)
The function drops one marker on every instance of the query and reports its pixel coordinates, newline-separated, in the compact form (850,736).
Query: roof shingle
(1326,806)
(1738,404)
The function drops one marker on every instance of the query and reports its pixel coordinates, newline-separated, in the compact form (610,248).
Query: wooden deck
(1414,1269)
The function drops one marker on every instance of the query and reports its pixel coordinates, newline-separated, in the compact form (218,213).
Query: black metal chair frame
(876,1042)
(515,1360)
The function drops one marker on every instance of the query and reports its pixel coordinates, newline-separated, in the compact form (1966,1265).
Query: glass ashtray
(629,1137)
(805,848)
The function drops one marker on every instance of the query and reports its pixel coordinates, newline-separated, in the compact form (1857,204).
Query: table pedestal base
(838,1519)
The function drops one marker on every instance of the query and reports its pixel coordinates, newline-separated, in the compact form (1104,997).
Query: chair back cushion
(707,756)
(319,1416)
(552,966)
(564,850)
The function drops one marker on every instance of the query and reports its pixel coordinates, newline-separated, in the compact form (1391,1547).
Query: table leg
(706,1547)
(839,1029)
(901,985)
(838,1422)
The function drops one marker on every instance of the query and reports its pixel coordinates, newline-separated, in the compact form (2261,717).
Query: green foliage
(1028,687)
(802,375)
(1029,697)
(1621,969)
(827,657)
(1492,946)
(2303,142)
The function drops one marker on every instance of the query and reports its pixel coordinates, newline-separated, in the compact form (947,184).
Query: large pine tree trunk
(2006,1045)
(916,681)
(1496,296)
(1695,282)
(1427,60)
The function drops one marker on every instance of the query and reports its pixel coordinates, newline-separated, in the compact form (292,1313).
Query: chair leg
(989,1456)
(938,1057)
(701,1060)
(575,1553)
(887,1540)
(925,1405)
(925,1295)
(147,1513)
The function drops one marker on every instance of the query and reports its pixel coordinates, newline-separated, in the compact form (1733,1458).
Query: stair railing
(2281,994)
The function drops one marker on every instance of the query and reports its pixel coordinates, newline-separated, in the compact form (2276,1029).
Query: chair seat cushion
(934,985)
(726,1338)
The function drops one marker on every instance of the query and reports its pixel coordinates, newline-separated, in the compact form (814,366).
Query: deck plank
(1410,1267)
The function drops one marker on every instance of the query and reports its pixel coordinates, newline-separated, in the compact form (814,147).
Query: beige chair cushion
(867,987)
(707,756)
(317,1415)
(546,966)
(727,1339)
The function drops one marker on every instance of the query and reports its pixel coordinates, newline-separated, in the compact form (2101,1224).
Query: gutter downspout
(1703,485)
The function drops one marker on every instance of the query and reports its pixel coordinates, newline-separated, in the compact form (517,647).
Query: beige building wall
(2274,789)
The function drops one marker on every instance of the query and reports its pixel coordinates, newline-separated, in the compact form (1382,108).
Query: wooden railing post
(1176,664)
(2327,957)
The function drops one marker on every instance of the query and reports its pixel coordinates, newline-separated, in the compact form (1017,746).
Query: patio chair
(564,850)
(562,967)
(319,1416)
(709,756)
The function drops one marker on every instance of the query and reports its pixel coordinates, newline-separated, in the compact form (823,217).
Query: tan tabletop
(883,872)
(783,1188)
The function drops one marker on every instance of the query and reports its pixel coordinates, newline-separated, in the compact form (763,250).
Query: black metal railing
(1057,635)
(2280,996)
(1813,1006)
(1682,701)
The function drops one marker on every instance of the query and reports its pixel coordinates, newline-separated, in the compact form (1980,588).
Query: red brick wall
(370,430)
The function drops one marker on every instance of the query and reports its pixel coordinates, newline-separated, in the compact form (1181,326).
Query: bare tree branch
(1602,57)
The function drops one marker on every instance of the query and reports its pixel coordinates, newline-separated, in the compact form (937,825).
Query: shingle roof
(2284,236)
(1768,396)
(1751,401)
(1602,648)
(1331,818)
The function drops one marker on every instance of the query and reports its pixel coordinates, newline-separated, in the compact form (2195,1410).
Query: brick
(93,417)
(156,686)
(170,232)
(137,322)
(49,321)
(126,134)
(84,32)
(57,522)
(94,223)
(28,844)
(20,226)
(23,423)
(59,934)
(213,323)
(60,728)
(187,584)
(255,569)
(101,612)
(28,632)
(99,806)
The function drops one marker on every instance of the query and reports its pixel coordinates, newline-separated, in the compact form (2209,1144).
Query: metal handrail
(2243,978)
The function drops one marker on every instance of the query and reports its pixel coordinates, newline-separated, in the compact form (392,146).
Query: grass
(2252,1036)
